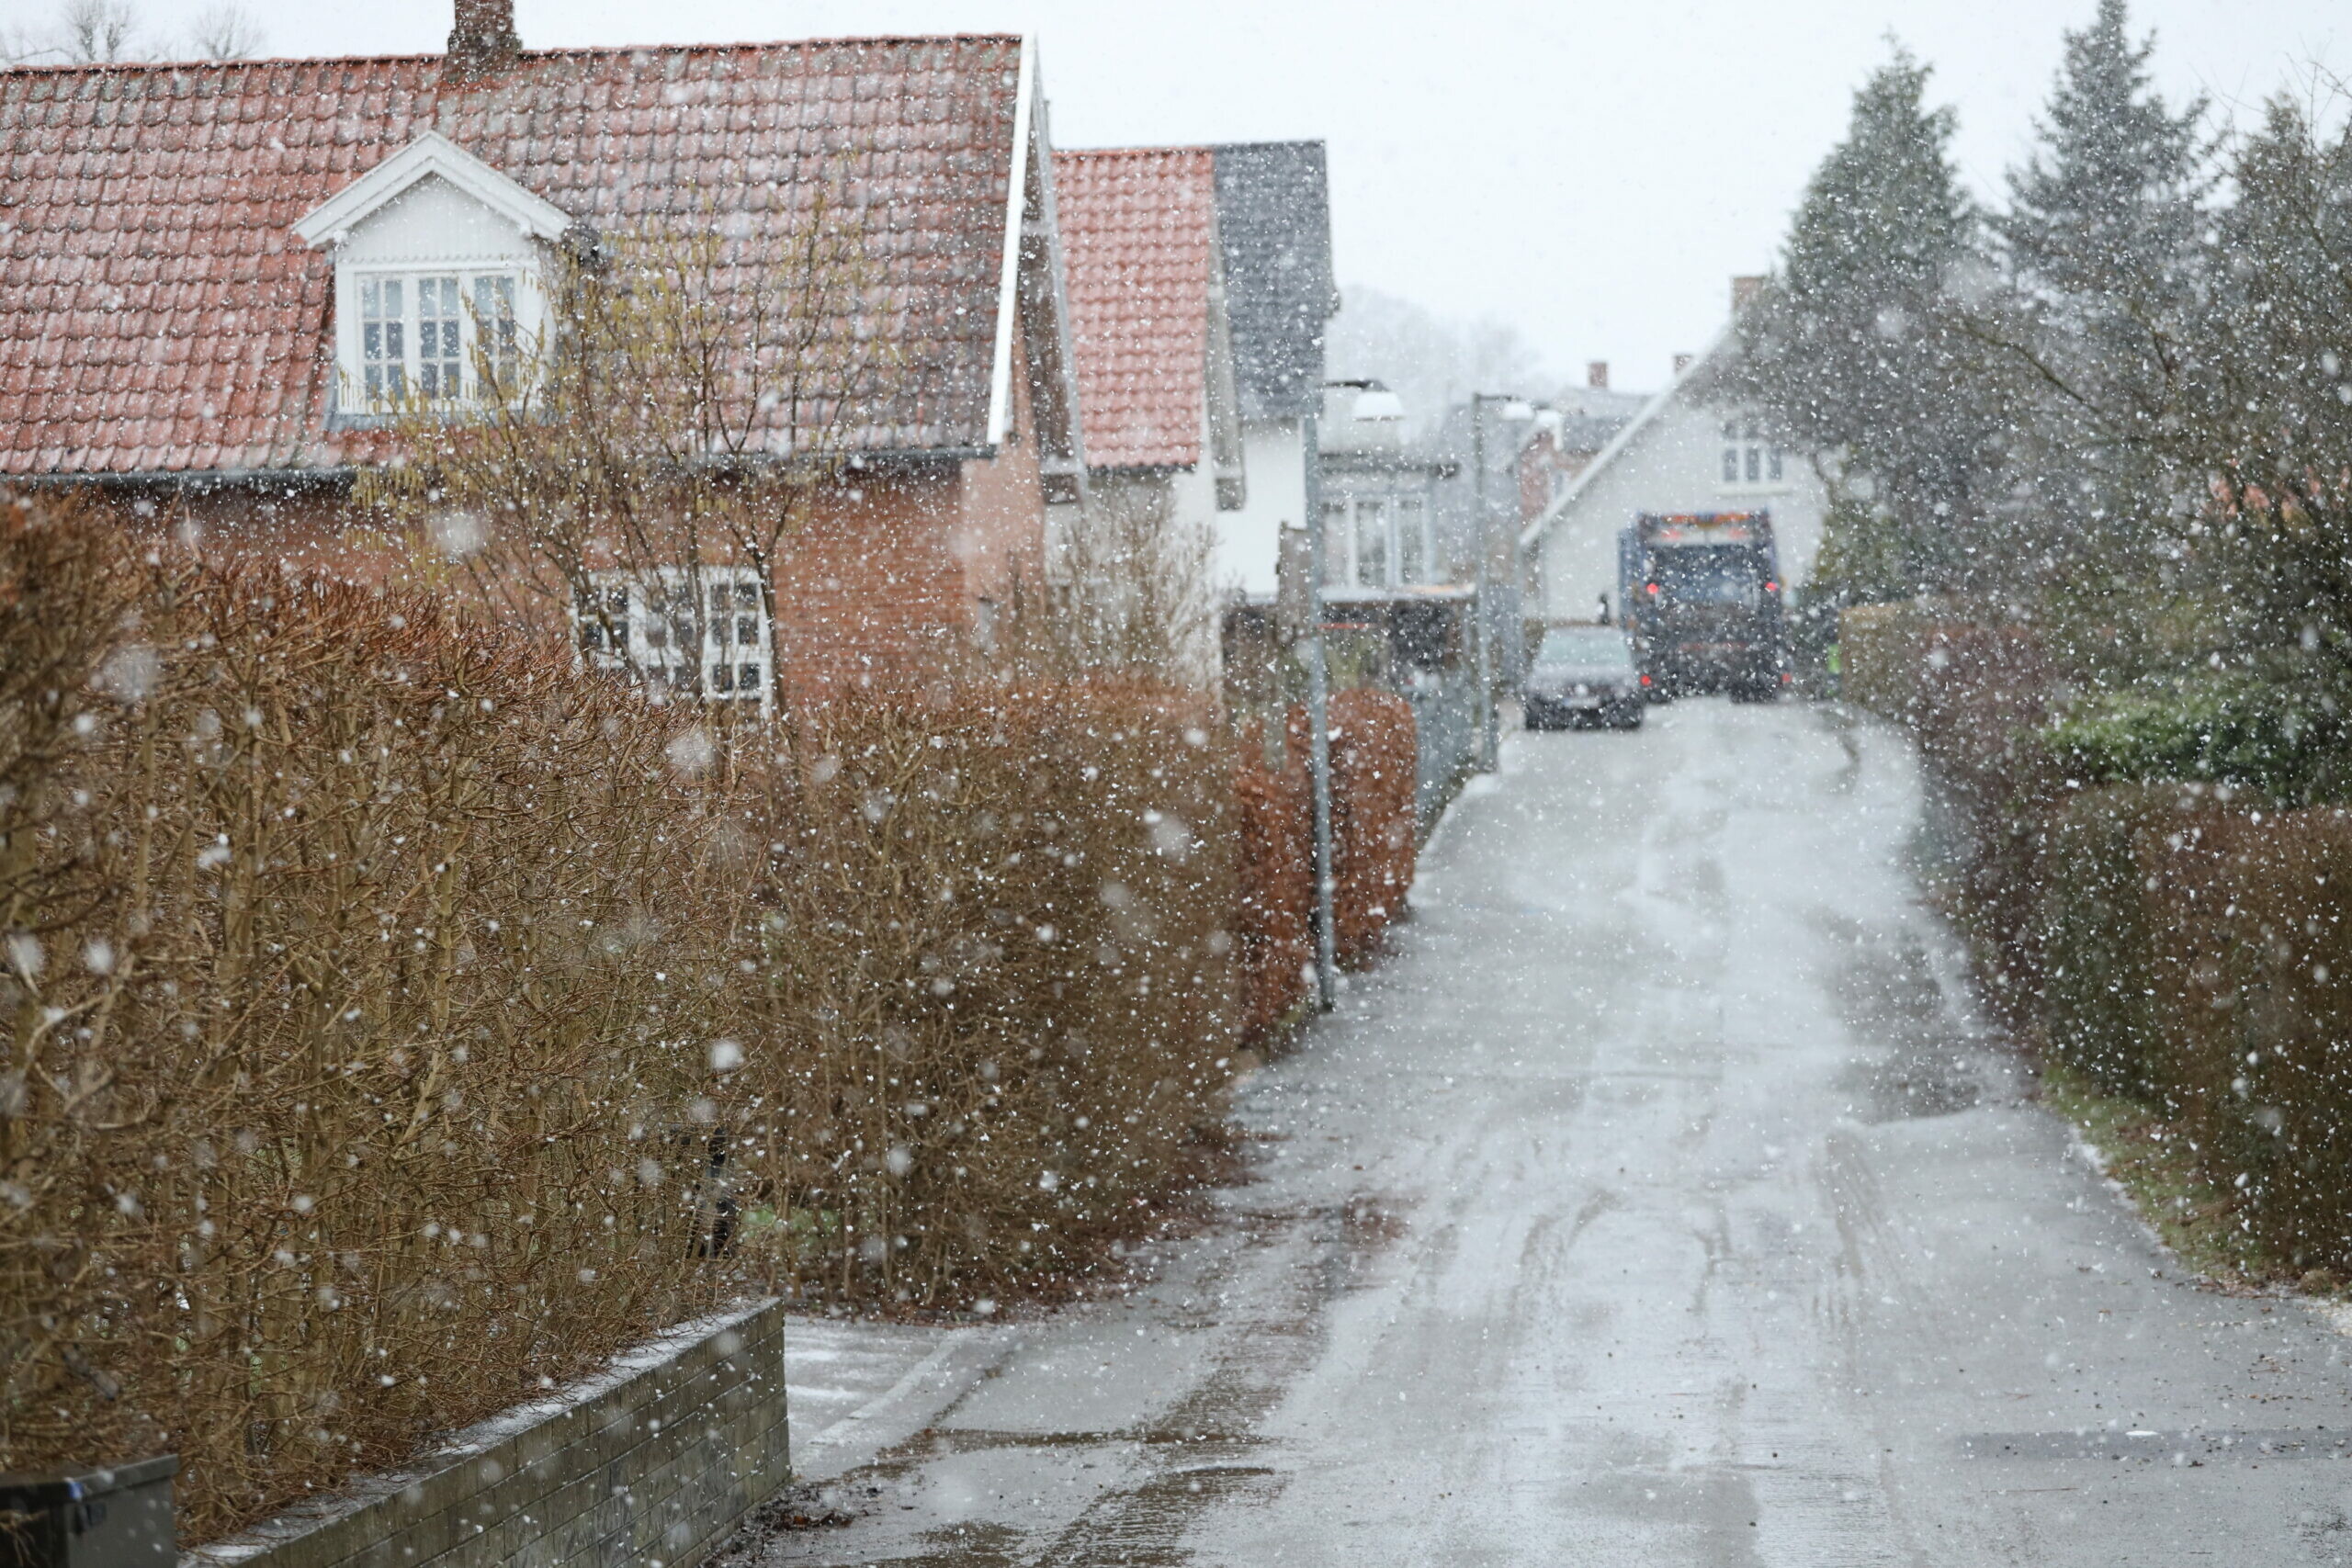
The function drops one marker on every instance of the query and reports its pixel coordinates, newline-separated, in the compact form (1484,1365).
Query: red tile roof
(1138,238)
(157,311)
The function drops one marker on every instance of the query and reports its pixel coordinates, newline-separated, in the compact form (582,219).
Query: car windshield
(1584,648)
(1711,574)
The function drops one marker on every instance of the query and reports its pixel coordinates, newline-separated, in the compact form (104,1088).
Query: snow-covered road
(1657,1202)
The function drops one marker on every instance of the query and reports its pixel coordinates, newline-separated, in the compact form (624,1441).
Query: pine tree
(2101,240)
(2265,421)
(1855,351)
(2111,198)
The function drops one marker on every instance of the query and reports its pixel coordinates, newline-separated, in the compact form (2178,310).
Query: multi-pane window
(703,632)
(1412,540)
(440,340)
(1748,458)
(433,336)
(383,338)
(1372,541)
(495,331)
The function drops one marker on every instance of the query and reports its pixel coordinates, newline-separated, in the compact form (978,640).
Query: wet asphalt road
(1657,1203)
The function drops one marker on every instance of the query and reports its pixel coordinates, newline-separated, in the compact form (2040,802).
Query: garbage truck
(1701,592)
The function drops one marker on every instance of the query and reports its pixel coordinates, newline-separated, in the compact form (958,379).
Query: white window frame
(1343,515)
(1742,448)
(354,284)
(650,627)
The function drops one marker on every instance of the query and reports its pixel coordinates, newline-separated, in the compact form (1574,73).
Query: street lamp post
(1318,729)
(1489,713)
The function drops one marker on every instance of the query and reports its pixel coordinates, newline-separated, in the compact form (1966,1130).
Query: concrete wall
(1249,542)
(1673,464)
(655,1462)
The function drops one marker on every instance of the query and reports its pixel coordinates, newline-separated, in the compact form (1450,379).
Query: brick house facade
(205,267)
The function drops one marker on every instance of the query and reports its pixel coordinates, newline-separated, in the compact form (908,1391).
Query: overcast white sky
(1591,172)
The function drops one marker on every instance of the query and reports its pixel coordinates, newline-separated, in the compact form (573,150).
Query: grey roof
(1591,431)
(1273,214)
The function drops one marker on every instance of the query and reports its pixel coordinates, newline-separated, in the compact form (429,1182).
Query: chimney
(1596,375)
(1682,363)
(1744,291)
(482,43)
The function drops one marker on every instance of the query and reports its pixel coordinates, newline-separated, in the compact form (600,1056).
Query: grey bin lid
(34,1490)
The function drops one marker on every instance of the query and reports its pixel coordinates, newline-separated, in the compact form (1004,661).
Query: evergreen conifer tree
(2265,421)
(2101,240)
(1854,350)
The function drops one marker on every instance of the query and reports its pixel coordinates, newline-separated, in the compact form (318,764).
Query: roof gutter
(1008,293)
(230,478)
(186,478)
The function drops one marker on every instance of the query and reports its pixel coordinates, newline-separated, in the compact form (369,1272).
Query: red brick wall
(1003,531)
(878,586)
(871,590)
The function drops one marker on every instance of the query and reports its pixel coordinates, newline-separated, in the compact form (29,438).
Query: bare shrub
(1274,904)
(1140,599)
(359,994)
(998,982)
(400,1015)
(1374,831)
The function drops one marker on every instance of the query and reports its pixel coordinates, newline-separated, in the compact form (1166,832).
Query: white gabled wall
(1248,541)
(1672,464)
(434,222)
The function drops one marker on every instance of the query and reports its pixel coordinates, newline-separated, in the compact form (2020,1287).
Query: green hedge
(2097,993)
(2285,738)
(2144,906)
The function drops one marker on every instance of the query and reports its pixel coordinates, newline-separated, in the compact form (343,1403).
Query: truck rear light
(1646,680)
(1771,588)
(1653,589)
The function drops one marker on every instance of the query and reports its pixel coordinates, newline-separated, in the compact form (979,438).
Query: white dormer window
(439,269)
(434,337)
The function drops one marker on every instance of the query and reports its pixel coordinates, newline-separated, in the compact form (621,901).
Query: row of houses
(219,281)
(216,280)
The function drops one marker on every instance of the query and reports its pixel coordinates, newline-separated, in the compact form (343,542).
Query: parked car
(1584,675)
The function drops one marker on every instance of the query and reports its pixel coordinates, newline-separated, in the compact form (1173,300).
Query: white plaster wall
(1249,542)
(435,221)
(1192,493)
(1673,464)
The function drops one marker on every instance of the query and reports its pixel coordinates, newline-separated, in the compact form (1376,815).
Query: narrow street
(1656,1202)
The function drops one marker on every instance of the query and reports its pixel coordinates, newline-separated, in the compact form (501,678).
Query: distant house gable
(1671,456)
(1607,457)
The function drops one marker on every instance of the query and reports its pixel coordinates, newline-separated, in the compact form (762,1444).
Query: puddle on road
(1200,1454)
(1927,1061)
